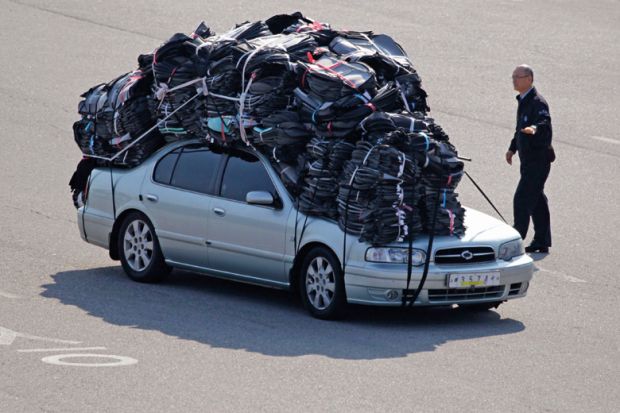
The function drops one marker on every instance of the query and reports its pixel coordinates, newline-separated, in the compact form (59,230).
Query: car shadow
(232,315)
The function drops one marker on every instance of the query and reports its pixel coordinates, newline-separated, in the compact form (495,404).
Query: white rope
(164,89)
(115,141)
(116,116)
(250,56)
(404,99)
(368,154)
(401,168)
(244,136)
(353,177)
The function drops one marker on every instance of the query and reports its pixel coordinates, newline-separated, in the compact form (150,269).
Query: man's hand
(509,156)
(529,130)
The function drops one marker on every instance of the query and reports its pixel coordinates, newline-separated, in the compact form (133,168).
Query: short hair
(527,70)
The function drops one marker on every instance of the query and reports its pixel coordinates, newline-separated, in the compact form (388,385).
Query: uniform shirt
(532,111)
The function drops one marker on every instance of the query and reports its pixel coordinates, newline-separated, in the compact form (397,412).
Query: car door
(247,241)
(178,197)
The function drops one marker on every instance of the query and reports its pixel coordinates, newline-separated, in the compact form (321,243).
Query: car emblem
(467,255)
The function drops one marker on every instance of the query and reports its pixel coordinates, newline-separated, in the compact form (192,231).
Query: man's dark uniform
(530,199)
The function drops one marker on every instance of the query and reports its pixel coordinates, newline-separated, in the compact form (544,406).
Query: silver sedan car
(226,213)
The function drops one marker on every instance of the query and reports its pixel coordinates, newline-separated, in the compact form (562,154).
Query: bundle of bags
(340,114)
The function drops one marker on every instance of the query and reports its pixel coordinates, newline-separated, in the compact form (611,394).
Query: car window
(244,173)
(163,170)
(196,169)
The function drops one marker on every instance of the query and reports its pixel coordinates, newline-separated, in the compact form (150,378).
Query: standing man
(532,140)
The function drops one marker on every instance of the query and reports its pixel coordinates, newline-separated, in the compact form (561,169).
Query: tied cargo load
(342,116)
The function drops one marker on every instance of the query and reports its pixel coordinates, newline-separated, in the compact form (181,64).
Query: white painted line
(51,340)
(8,295)
(39,350)
(8,336)
(58,360)
(608,140)
(566,277)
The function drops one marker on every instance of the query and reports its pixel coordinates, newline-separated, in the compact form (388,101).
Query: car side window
(196,169)
(245,173)
(165,166)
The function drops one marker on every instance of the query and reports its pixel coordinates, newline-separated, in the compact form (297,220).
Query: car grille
(463,294)
(460,255)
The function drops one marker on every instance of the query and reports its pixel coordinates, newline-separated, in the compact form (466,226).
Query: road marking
(566,277)
(608,140)
(58,360)
(8,295)
(39,350)
(8,336)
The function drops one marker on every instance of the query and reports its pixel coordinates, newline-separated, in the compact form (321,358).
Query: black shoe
(534,248)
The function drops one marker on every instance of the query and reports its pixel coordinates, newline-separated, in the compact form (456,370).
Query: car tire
(321,284)
(480,307)
(139,250)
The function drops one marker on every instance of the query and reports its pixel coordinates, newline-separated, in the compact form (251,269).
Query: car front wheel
(139,249)
(322,284)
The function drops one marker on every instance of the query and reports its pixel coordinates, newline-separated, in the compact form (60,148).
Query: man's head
(522,78)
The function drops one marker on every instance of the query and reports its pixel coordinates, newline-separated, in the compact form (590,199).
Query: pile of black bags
(341,114)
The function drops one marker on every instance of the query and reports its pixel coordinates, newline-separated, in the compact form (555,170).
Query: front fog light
(396,255)
(510,249)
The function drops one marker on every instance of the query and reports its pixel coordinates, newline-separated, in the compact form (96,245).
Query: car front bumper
(384,284)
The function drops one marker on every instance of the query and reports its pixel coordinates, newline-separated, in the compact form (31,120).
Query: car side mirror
(259,198)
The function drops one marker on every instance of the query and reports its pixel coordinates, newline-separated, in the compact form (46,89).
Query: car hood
(480,229)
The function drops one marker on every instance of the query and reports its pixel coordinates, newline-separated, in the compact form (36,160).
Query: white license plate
(476,279)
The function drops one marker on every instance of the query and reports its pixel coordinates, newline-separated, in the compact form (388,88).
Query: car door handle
(152,198)
(219,211)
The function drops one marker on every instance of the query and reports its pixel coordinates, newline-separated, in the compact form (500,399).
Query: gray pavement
(199,344)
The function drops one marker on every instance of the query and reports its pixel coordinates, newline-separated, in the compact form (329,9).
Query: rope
(485,196)
(139,138)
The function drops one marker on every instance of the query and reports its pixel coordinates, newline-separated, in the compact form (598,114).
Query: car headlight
(510,249)
(396,255)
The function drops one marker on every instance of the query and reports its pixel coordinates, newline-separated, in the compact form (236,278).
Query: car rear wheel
(322,285)
(139,249)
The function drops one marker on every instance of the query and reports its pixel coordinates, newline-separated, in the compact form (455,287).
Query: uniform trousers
(530,201)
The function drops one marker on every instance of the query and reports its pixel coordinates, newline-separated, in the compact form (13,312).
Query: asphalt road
(199,344)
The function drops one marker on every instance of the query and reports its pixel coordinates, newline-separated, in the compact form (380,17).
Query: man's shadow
(232,315)
(538,256)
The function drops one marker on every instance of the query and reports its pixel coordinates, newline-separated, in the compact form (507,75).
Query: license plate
(479,279)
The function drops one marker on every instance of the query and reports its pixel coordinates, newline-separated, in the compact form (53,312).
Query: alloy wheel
(320,283)
(138,245)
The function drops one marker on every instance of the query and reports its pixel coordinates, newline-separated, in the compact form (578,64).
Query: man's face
(521,80)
